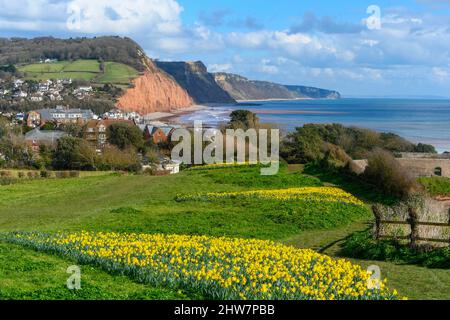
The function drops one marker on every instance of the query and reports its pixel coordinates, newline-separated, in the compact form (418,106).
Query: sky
(358,47)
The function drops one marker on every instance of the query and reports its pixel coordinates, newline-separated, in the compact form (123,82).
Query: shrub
(62,174)
(74,174)
(148,172)
(385,172)
(362,245)
(5,174)
(7,181)
(45,174)
(335,158)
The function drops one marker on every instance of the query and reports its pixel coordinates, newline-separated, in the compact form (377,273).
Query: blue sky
(331,44)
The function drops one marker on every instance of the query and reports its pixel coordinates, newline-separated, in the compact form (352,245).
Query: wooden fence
(425,224)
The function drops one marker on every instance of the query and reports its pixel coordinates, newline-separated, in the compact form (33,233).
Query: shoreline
(158,116)
(271,100)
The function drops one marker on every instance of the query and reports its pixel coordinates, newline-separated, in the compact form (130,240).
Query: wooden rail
(411,221)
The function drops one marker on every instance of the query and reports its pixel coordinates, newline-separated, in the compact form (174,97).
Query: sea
(418,120)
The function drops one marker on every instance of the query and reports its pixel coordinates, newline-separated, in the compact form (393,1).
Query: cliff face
(195,79)
(314,93)
(155,91)
(241,88)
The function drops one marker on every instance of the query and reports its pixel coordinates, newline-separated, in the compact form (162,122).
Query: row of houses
(95,132)
(64,115)
(60,115)
(53,90)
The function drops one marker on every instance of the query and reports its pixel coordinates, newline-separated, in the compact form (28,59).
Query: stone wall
(417,167)
(426,167)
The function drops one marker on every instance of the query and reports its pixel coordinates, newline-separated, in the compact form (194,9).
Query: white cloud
(268,67)
(125,16)
(96,17)
(220,67)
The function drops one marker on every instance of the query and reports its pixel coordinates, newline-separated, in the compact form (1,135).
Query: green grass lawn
(89,70)
(438,186)
(117,73)
(28,274)
(83,66)
(147,204)
(44,67)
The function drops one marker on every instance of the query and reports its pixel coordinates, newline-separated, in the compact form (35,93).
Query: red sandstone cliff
(155,91)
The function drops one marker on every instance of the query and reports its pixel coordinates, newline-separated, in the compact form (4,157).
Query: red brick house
(95,131)
(158,134)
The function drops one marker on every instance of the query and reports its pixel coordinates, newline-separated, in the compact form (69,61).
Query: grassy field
(438,186)
(117,73)
(147,204)
(89,70)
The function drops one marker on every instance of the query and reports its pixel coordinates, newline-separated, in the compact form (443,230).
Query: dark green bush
(45,174)
(386,173)
(5,174)
(362,245)
(4,181)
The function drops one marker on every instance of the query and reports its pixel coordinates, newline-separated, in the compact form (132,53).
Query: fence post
(377,214)
(413,221)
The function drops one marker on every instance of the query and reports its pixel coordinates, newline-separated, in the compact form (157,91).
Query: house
(35,138)
(95,131)
(18,83)
(172,166)
(82,92)
(45,86)
(65,116)
(33,119)
(158,134)
(20,116)
(119,114)
(20,94)
(36,98)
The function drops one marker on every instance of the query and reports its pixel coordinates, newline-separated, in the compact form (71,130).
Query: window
(438,172)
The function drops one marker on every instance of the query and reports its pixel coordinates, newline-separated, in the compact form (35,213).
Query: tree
(48,126)
(74,153)
(72,129)
(303,146)
(115,159)
(424,148)
(124,135)
(243,119)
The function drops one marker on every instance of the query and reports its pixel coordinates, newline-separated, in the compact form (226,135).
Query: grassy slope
(437,186)
(27,274)
(117,73)
(89,70)
(145,204)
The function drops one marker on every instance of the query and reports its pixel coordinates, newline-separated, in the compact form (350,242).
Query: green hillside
(145,204)
(117,73)
(89,70)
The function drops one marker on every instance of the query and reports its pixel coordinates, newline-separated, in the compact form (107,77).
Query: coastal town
(44,127)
